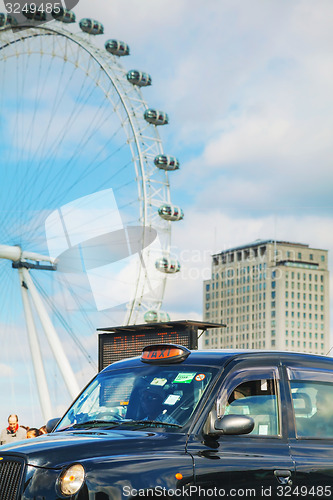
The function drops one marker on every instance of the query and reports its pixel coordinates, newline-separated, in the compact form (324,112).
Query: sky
(247,86)
(248,90)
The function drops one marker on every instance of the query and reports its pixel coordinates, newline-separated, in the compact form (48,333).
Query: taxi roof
(221,357)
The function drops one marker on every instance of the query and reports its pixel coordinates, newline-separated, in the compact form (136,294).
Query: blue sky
(247,86)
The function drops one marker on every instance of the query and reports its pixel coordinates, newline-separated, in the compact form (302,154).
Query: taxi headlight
(71,480)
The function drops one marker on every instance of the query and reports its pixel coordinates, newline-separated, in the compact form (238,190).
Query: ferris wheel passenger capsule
(117,48)
(156,117)
(166,265)
(91,26)
(7,20)
(64,15)
(165,162)
(139,78)
(156,316)
(170,212)
(33,14)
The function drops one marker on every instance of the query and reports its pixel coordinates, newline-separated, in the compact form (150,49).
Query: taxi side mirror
(234,424)
(51,424)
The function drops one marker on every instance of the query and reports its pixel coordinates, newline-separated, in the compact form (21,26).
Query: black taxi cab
(186,424)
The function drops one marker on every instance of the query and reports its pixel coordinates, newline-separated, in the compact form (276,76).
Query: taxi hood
(59,448)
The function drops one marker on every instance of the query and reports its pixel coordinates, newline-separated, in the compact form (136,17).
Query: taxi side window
(257,399)
(313,408)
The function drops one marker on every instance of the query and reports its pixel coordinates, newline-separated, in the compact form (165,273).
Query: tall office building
(270,295)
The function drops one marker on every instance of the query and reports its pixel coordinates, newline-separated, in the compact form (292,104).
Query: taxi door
(311,430)
(257,464)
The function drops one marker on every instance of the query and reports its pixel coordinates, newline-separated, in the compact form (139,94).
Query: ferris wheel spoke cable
(34,171)
(58,193)
(117,172)
(55,103)
(62,320)
(57,140)
(76,110)
(40,85)
(18,120)
(18,115)
(78,303)
(42,145)
(86,137)
(85,140)
(91,168)
(29,167)
(12,151)
(59,196)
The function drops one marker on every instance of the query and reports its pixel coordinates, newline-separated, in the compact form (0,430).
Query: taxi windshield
(149,395)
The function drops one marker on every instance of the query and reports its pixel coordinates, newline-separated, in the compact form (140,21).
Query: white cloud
(6,370)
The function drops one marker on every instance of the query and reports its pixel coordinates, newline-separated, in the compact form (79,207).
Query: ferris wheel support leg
(52,337)
(43,390)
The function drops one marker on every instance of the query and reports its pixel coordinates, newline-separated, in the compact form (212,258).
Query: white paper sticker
(172,399)
(159,381)
(263,429)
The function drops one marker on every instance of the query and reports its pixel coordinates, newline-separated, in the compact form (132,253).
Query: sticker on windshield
(200,377)
(158,381)
(184,378)
(172,399)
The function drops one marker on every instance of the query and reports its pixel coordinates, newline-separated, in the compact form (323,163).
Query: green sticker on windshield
(184,378)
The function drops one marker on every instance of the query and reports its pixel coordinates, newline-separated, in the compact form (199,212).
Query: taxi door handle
(283,476)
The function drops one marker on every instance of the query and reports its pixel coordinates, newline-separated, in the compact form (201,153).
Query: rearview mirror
(234,424)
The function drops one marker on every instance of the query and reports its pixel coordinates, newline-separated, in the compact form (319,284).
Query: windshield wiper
(91,423)
(153,422)
(115,423)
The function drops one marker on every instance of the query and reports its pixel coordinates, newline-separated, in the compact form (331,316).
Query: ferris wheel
(85,204)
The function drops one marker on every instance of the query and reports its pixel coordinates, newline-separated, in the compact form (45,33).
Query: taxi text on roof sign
(164,353)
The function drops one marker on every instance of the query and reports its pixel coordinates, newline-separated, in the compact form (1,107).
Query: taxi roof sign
(164,353)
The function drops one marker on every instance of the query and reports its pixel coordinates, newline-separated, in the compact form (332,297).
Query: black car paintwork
(148,458)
